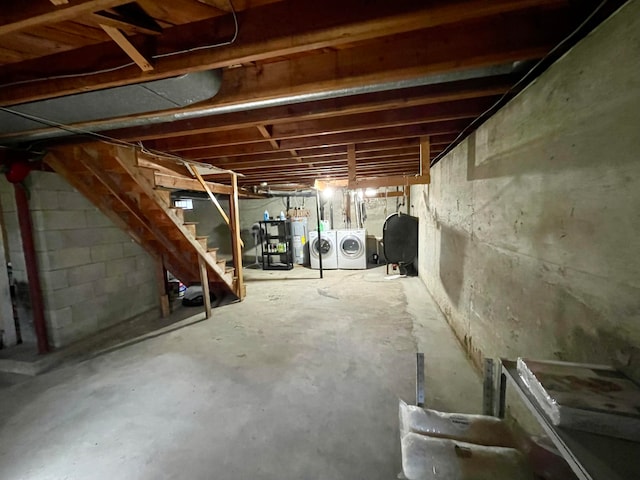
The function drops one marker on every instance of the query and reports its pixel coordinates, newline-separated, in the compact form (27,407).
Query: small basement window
(184,203)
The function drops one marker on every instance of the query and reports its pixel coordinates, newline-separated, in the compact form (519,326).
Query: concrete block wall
(93,275)
(529,233)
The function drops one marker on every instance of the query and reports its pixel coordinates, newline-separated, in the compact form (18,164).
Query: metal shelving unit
(276,245)
(590,456)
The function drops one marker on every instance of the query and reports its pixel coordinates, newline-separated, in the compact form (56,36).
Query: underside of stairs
(124,184)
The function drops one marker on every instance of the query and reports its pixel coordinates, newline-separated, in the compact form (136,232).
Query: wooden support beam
(182,134)
(441,43)
(213,198)
(162,165)
(266,133)
(390,181)
(324,184)
(203,183)
(57,3)
(425,157)
(204,280)
(161,277)
(175,182)
(386,194)
(17,16)
(128,48)
(351,163)
(131,16)
(222,5)
(236,241)
(332,139)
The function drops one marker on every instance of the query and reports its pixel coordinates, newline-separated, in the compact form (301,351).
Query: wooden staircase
(114,179)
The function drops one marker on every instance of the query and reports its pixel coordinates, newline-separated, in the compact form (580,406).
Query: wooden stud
(194,171)
(183,183)
(204,280)
(425,156)
(128,48)
(390,181)
(163,288)
(267,135)
(351,161)
(236,241)
(129,15)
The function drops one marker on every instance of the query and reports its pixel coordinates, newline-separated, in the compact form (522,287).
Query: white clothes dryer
(326,242)
(352,249)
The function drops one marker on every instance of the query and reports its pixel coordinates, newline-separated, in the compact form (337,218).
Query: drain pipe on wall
(16,174)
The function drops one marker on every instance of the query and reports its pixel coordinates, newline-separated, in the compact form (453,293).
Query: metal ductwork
(140,98)
(179,92)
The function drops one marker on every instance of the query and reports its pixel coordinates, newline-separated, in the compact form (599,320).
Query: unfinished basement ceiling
(301,80)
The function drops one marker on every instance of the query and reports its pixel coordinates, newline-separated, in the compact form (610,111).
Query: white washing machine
(352,249)
(327,243)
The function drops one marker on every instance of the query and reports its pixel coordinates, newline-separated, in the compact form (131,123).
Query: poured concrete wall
(530,229)
(92,274)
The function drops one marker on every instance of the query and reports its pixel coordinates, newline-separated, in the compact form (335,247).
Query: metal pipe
(272,102)
(319,233)
(33,276)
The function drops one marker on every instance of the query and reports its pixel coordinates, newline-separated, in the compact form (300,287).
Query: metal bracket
(488,388)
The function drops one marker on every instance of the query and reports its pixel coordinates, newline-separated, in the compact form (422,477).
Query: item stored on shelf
(276,245)
(298,212)
(592,398)
(478,429)
(429,458)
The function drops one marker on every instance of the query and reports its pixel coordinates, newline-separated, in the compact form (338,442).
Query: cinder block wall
(93,275)
(529,234)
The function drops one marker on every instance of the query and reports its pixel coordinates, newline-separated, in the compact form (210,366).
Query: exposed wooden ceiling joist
(18,16)
(280,29)
(303,81)
(185,134)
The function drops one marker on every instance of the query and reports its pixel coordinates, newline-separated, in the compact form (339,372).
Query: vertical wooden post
(351,161)
(163,288)
(204,279)
(236,241)
(425,158)
(407,196)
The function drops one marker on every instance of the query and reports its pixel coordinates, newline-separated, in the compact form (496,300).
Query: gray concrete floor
(301,380)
